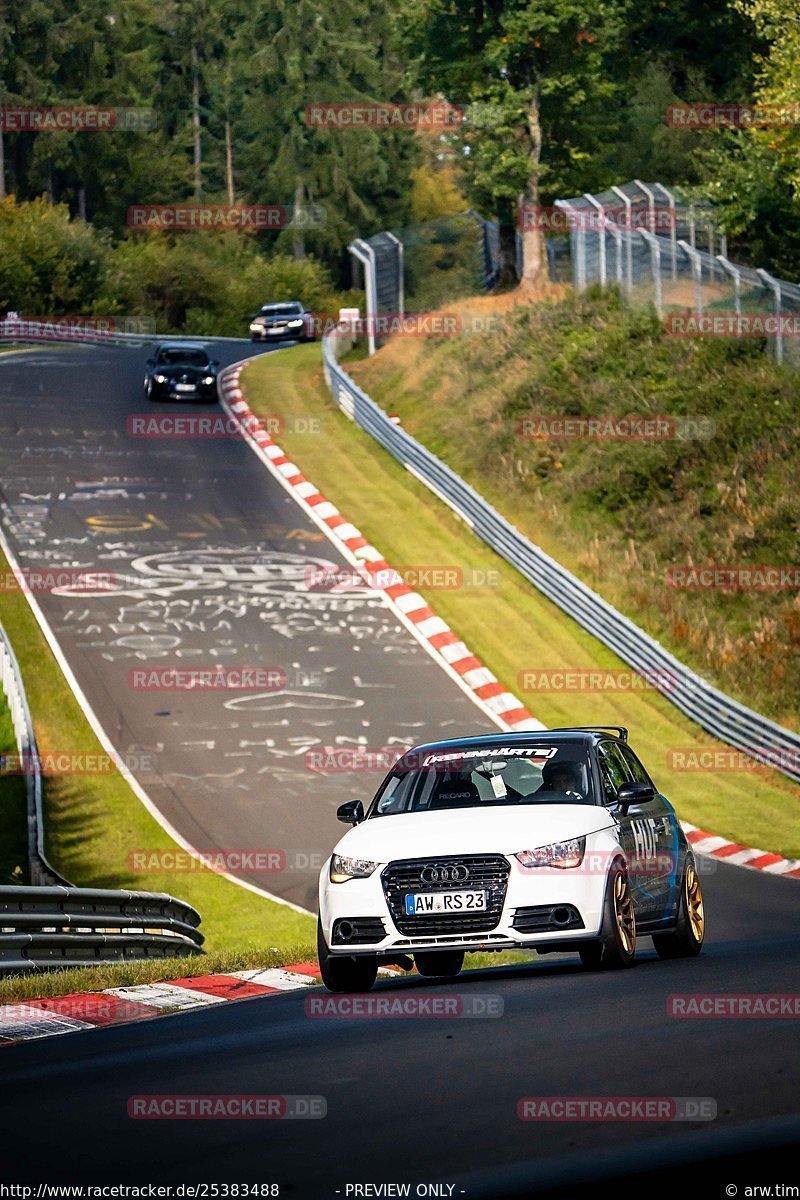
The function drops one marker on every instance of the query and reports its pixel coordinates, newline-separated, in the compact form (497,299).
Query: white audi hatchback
(553,841)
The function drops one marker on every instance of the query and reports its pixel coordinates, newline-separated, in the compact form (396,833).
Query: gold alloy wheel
(694,904)
(623,911)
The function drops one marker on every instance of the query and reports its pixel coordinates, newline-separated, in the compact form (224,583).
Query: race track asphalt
(434,1099)
(212,564)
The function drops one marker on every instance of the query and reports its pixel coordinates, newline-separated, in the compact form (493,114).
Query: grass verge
(92,822)
(13,810)
(15,988)
(629,516)
(509,625)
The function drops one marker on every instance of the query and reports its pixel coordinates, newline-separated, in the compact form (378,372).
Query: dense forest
(556,97)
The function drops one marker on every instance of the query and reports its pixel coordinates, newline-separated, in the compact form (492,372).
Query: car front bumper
(541,908)
(166,391)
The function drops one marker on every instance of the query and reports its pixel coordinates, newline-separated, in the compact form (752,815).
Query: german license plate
(185,387)
(418,904)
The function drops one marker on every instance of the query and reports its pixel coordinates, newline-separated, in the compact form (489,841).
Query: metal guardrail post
(579,265)
(697,271)
(626,200)
(736,275)
(655,267)
(401,289)
(601,234)
(366,256)
(774,285)
(651,203)
(673,227)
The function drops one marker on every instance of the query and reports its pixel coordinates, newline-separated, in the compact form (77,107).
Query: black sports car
(289,319)
(181,371)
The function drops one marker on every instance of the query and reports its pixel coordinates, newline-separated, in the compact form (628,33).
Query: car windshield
(281,310)
(178,356)
(477,777)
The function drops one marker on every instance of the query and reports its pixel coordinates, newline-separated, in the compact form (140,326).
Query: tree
(753,174)
(534,77)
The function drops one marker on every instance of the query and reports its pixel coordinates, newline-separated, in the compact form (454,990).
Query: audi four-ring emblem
(444,873)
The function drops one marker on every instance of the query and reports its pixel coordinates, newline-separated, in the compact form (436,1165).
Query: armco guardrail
(11,681)
(722,716)
(46,928)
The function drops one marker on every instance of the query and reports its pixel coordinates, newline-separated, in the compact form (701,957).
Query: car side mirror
(151,362)
(352,813)
(213,362)
(634,793)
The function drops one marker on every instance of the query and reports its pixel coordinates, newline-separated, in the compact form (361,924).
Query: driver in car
(564,777)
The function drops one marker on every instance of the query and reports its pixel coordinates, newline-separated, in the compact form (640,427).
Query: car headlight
(558,854)
(343,868)
(294,324)
(208,379)
(256,328)
(160,378)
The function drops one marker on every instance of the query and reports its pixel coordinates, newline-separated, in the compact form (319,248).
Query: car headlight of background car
(256,327)
(209,379)
(294,324)
(159,379)
(343,868)
(558,854)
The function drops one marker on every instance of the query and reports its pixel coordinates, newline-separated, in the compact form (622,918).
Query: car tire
(340,974)
(616,946)
(445,964)
(686,940)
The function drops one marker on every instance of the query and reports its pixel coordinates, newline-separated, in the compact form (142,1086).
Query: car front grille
(488,873)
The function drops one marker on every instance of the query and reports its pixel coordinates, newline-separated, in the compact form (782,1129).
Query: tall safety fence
(658,247)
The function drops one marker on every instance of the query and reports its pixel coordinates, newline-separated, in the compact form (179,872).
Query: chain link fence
(659,247)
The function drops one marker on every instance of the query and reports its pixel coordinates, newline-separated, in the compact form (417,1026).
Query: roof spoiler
(620,730)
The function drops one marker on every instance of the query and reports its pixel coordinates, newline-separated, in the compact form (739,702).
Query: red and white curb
(34,1019)
(740,856)
(411,608)
(445,645)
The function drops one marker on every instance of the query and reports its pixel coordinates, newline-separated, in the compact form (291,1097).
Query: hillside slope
(625,514)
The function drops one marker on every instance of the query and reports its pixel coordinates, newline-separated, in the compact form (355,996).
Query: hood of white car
(500,830)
